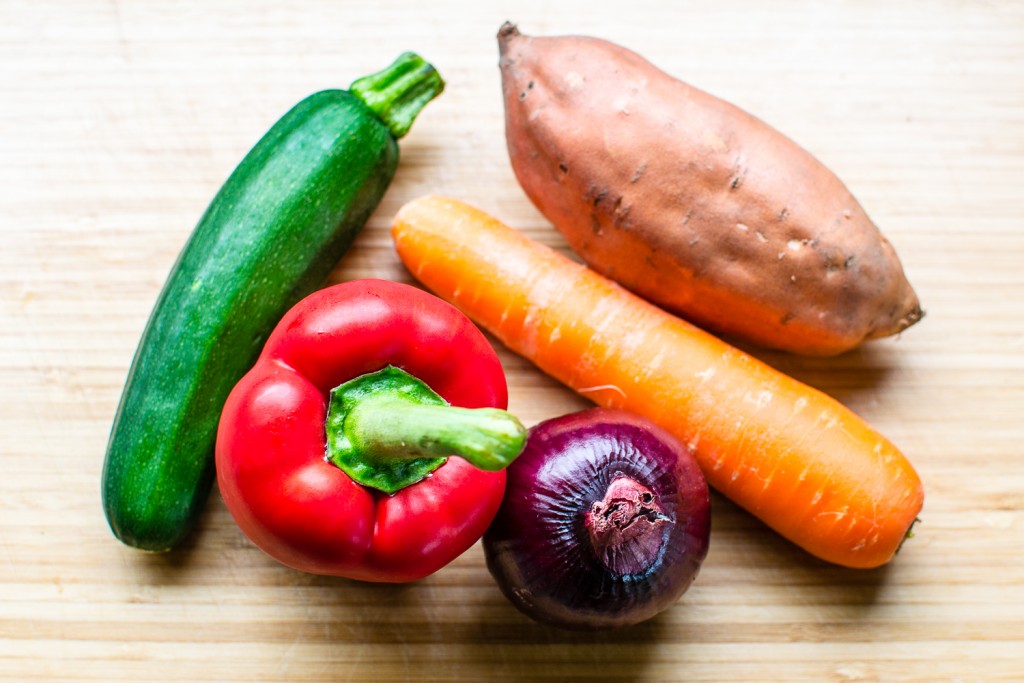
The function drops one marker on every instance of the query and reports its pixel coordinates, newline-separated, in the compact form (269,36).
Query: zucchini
(271,235)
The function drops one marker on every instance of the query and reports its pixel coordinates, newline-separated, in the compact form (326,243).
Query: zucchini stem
(398,93)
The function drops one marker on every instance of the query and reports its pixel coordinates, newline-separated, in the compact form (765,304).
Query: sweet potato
(694,204)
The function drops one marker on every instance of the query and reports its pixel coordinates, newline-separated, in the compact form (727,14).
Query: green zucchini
(271,235)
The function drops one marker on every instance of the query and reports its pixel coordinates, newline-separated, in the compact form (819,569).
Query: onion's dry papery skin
(556,548)
(694,204)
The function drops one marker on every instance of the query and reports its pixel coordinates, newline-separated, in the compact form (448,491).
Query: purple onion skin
(566,553)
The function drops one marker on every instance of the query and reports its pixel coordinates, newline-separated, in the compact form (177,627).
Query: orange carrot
(791,455)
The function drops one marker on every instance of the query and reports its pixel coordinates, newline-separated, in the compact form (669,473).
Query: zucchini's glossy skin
(272,234)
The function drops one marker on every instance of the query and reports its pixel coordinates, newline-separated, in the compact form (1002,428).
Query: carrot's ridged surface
(791,455)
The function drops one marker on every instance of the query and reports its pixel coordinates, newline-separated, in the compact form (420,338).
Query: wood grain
(118,121)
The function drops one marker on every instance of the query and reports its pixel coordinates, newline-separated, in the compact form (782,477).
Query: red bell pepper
(333,460)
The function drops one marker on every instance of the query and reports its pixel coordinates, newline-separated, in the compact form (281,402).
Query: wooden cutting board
(119,120)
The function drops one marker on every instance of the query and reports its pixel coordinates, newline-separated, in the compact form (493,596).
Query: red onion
(605,522)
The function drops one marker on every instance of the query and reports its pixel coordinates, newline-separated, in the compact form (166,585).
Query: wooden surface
(119,120)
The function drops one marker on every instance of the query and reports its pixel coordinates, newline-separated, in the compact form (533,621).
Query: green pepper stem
(389,429)
(398,93)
